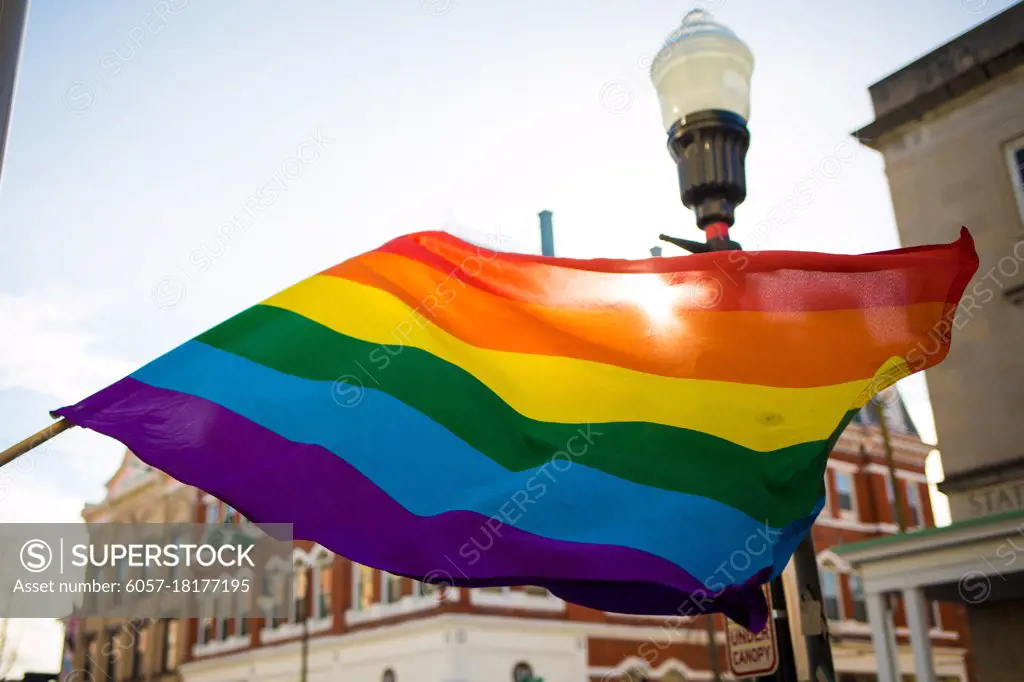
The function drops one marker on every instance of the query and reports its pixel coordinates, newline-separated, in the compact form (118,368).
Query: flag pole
(35,440)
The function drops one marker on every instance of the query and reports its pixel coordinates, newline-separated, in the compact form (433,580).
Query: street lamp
(702,76)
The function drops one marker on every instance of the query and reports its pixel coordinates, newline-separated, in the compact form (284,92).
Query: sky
(141,128)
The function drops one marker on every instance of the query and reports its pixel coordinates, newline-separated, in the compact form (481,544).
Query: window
(223,616)
(362,587)
(860,611)
(242,621)
(139,650)
(275,597)
(92,647)
(325,586)
(1015,164)
(934,616)
(830,595)
(300,609)
(215,626)
(844,493)
(536,591)
(212,511)
(206,627)
(391,588)
(914,504)
(112,654)
(170,648)
(889,494)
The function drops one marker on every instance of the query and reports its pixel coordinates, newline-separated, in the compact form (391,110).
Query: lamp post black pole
(787,671)
(304,653)
(815,626)
(709,148)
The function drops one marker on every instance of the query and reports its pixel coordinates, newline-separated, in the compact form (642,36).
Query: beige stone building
(117,650)
(950,127)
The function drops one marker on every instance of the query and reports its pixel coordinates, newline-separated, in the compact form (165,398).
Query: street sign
(752,655)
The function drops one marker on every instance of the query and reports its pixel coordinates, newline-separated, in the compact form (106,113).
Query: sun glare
(661,300)
(653,295)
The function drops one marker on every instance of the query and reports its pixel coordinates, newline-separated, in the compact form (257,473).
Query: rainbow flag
(642,437)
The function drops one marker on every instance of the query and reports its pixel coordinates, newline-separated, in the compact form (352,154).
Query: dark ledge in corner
(1015,295)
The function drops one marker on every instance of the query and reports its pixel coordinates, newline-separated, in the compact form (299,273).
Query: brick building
(367,626)
(115,649)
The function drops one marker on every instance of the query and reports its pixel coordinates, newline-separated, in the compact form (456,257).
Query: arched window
(388,676)
(635,675)
(522,672)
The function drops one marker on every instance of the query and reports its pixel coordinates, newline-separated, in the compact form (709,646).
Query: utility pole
(892,603)
(890,462)
(304,615)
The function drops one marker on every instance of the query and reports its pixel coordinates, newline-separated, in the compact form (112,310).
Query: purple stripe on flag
(270,479)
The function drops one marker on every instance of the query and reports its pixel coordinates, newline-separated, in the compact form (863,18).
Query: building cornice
(853,628)
(120,507)
(932,539)
(460,621)
(514,599)
(902,474)
(961,66)
(983,476)
(865,444)
(852,524)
